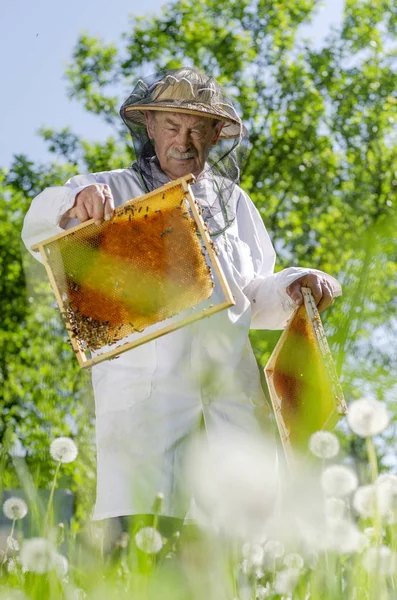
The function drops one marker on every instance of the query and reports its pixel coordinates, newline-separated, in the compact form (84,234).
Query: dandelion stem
(50,499)
(373,461)
(6,550)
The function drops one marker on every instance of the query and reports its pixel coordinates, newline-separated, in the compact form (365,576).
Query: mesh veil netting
(188,90)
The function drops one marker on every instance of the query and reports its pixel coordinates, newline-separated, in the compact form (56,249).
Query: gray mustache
(181,155)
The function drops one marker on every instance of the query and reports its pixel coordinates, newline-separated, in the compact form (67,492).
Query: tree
(322,163)
(321,167)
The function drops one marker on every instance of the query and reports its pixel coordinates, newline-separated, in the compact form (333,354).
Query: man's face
(182,142)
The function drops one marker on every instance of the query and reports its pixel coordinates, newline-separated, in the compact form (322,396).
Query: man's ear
(217,133)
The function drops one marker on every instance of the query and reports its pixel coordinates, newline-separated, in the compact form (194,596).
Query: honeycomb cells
(302,383)
(143,266)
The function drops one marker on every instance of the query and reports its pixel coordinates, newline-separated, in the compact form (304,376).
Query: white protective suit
(152,399)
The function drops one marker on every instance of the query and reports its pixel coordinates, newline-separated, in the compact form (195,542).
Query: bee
(169,230)
(139,209)
(147,209)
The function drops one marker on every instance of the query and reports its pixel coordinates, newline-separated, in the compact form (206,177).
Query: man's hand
(94,202)
(322,291)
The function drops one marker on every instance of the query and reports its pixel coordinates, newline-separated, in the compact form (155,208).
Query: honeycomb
(302,383)
(143,266)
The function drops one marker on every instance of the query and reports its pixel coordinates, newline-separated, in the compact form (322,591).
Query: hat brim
(232,129)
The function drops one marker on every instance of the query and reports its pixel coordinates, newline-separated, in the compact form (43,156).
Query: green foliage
(43,393)
(321,168)
(322,162)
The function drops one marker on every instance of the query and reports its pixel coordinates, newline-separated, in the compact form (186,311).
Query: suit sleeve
(47,209)
(270,304)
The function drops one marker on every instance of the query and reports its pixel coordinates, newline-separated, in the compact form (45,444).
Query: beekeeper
(152,399)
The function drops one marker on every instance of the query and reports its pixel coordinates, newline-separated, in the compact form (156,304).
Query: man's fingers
(321,290)
(98,201)
(108,206)
(81,212)
(314,284)
(94,202)
(327,296)
(72,213)
(294,292)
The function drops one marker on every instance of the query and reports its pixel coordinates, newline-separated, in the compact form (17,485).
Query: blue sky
(36,43)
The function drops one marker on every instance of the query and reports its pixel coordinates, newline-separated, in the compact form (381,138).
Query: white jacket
(152,399)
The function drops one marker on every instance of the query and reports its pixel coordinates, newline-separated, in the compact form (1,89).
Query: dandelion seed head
(338,481)
(273,552)
(149,540)
(293,561)
(12,544)
(234,480)
(380,560)
(386,490)
(324,444)
(15,508)
(60,564)
(254,554)
(11,565)
(63,449)
(274,548)
(342,536)
(335,508)
(365,501)
(37,555)
(367,417)
(286,581)
(262,592)
(369,532)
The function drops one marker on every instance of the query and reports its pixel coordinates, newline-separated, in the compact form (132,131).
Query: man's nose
(182,140)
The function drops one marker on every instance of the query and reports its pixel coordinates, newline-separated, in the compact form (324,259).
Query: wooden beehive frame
(81,354)
(323,347)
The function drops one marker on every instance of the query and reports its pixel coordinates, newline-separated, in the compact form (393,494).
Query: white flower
(253,554)
(335,508)
(367,417)
(11,565)
(262,592)
(380,560)
(338,480)
(365,501)
(60,564)
(12,544)
(273,551)
(37,555)
(342,536)
(15,508)
(234,480)
(63,449)
(286,581)
(149,540)
(293,561)
(386,491)
(324,444)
